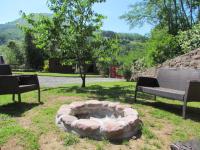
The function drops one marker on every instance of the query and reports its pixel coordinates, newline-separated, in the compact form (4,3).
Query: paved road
(59,81)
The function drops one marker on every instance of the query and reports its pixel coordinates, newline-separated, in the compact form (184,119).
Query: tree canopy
(175,14)
(72,33)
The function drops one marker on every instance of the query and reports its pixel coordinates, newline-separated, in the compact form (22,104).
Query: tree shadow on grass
(116,93)
(192,113)
(125,94)
(17,109)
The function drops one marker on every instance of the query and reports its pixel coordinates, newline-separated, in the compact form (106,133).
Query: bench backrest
(177,79)
(2,60)
(5,70)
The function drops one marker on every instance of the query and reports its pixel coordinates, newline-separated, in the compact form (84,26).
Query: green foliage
(161,46)
(130,56)
(34,55)
(190,39)
(71,34)
(46,66)
(13,53)
(105,60)
(17,50)
(70,139)
(176,15)
(139,65)
(99,146)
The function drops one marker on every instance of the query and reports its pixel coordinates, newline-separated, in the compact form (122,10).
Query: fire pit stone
(99,120)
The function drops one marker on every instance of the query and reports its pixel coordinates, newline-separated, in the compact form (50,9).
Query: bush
(46,66)
(13,53)
(190,39)
(161,46)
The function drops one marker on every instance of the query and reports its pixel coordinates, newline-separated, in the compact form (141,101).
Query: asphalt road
(60,81)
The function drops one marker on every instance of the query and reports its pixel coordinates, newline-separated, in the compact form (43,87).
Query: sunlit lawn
(30,125)
(55,74)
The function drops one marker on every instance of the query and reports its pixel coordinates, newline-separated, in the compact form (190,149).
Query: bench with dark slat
(17,84)
(177,84)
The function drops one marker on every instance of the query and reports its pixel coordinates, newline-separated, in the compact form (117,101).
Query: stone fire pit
(99,120)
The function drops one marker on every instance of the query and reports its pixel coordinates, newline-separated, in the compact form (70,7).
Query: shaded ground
(30,125)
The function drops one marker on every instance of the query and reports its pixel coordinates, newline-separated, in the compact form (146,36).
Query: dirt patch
(12,144)
(25,122)
(82,145)
(50,141)
(164,134)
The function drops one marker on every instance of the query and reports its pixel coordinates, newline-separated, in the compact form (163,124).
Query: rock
(86,128)
(129,120)
(98,120)
(186,61)
(122,107)
(68,120)
(196,57)
(130,112)
(77,105)
(93,104)
(113,105)
(64,111)
(112,130)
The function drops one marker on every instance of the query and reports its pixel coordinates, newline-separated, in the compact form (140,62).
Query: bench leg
(39,95)
(13,97)
(155,97)
(19,98)
(184,109)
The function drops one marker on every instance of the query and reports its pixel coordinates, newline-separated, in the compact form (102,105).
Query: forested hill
(10,31)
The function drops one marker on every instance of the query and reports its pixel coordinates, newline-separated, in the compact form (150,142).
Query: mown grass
(29,122)
(54,74)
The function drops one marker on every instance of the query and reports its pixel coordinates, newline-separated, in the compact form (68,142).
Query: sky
(112,9)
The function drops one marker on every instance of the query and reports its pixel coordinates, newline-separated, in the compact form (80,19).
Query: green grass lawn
(54,74)
(31,126)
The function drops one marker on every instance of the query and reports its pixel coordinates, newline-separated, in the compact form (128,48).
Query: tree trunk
(184,15)
(83,82)
(83,74)
(176,16)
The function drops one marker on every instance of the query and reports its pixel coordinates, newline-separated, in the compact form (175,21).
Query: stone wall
(189,60)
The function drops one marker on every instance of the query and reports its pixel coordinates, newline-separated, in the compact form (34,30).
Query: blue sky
(9,11)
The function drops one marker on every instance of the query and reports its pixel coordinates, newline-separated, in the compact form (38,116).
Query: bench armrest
(28,79)
(8,84)
(193,91)
(147,81)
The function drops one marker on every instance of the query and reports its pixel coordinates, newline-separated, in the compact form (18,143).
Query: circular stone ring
(99,120)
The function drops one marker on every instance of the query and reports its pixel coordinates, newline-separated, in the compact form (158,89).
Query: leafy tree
(34,55)
(7,54)
(71,34)
(129,59)
(17,51)
(13,53)
(110,57)
(175,14)
(161,46)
